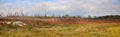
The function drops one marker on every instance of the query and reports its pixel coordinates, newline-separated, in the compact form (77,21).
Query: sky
(61,7)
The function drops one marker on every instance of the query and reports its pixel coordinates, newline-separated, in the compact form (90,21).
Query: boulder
(18,23)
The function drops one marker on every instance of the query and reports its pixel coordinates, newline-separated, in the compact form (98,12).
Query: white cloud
(40,7)
(4,8)
(51,6)
(93,7)
(103,1)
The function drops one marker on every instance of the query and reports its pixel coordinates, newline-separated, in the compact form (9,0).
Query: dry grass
(62,30)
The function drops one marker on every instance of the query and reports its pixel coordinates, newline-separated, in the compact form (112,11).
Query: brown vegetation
(38,21)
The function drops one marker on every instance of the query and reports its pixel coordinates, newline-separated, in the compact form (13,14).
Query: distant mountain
(108,17)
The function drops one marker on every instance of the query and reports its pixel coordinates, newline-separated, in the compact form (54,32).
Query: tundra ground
(63,30)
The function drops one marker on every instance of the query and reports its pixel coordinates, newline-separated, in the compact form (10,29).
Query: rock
(18,23)
(8,22)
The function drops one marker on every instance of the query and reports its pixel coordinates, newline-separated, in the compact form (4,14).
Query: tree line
(21,14)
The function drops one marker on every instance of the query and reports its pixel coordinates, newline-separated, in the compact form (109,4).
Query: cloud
(72,7)
(51,6)
(95,7)
(4,8)
(102,1)
(40,7)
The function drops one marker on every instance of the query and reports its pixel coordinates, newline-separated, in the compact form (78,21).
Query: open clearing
(83,28)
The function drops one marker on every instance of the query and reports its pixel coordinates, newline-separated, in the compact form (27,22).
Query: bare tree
(89,16)
(1,15)
(21,13)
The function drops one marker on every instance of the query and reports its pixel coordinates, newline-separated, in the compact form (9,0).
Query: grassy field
(63,30)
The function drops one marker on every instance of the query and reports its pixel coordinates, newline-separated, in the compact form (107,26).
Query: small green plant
(1,27)
(29,27)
